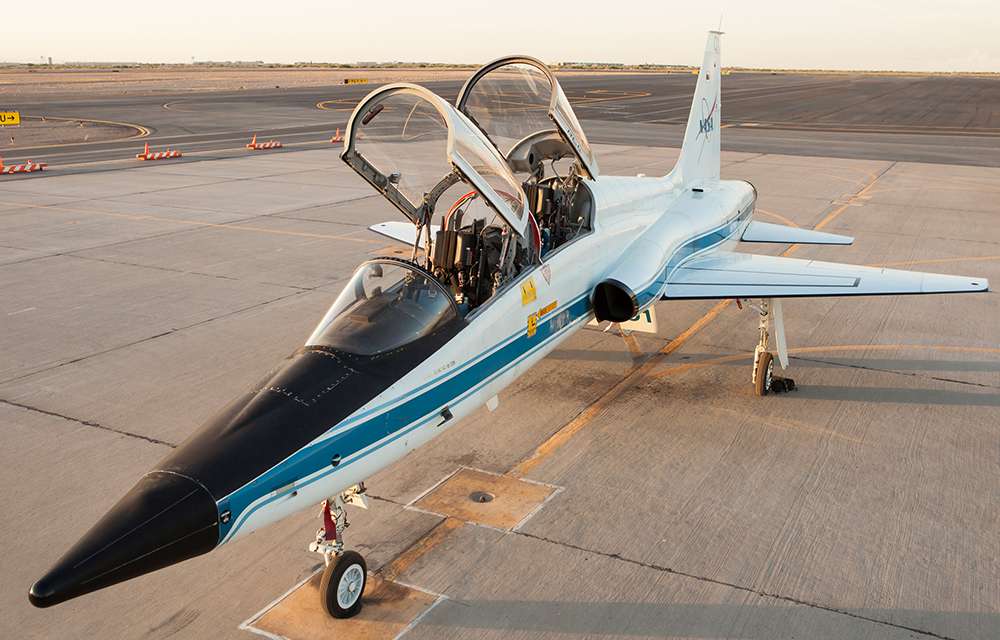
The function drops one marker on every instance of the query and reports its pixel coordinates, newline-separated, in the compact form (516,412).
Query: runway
(650,493)
(916,119)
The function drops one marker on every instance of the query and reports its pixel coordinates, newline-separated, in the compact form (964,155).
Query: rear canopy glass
(404,135)
(515,97)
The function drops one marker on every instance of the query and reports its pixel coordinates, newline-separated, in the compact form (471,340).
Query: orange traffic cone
(157,155)
(261,146)
(337,137)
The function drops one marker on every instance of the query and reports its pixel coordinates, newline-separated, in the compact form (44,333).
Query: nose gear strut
(345,573)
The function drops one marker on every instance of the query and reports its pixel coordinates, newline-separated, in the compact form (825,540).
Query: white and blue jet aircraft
(518,240)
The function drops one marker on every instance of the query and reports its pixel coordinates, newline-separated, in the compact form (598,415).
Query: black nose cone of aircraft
(164,519)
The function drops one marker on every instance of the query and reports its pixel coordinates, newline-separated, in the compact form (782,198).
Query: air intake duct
(614,301)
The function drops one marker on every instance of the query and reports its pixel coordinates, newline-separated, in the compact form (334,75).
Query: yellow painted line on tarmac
(833,215)
(345,104)
(631,343)
(142,131)
(587,98)
(172,106)
(776,216)
(910,263)
(563,435)
(839,177)
(959,188)
(194,223)
(420,548)
(787,424)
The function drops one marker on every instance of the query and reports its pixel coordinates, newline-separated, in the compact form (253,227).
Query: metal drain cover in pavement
(481,496)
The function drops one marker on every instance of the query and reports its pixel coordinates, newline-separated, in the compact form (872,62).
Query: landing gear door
(516,97)
(411,145)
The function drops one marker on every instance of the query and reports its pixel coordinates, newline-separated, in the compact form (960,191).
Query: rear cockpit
(520,107)
(481,184)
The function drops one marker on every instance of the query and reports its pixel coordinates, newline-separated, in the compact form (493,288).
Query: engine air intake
(614,301)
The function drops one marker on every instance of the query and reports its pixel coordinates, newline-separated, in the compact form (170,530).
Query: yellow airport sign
(355,80)
(10,118)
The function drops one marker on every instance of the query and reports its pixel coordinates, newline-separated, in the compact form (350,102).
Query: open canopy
(516,99)
(412,145)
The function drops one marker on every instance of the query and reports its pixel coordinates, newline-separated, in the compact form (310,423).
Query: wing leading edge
(758,231)
(724,274)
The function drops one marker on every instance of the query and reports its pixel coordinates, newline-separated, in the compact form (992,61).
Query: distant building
(593,65)
(93,63)
(229,63)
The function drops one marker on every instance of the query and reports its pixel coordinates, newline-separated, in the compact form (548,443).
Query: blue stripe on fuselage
(425,402)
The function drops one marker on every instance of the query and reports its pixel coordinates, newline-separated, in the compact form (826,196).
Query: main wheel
(762,378)
(342,584)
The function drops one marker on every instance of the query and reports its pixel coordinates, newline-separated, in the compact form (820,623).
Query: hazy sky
(893,34)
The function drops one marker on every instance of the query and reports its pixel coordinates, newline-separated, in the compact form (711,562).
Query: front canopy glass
(412,145)
(387,304)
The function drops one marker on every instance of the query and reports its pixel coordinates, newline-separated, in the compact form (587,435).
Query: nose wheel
(346,573)
(343,583)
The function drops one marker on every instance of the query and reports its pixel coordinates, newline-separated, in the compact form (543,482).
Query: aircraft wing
(725,274)
(404,232)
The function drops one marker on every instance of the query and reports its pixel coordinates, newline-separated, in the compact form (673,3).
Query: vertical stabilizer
(700,158)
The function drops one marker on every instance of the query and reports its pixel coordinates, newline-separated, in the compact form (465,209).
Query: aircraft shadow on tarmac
(754,622)
(877,364)
(897,395)
(892,395)
(883,364)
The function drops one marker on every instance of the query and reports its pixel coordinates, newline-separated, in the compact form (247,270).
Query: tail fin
(700,157)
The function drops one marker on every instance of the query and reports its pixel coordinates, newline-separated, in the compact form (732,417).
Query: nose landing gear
(346,573)
(763,378)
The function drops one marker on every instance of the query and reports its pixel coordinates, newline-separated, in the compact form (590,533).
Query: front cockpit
(491,186)
(388,304)
(473,229)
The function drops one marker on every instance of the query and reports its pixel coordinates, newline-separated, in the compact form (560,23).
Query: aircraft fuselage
(633,214)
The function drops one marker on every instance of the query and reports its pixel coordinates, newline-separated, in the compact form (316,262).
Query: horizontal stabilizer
(767,232)
(724,274)
(404,232)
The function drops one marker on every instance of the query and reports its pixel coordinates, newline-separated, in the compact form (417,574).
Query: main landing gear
(346,573)
(764,380)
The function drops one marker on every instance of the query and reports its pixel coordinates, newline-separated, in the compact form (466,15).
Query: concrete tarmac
(912,118)
(864,505)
